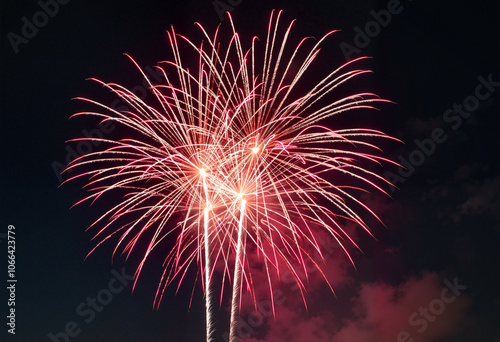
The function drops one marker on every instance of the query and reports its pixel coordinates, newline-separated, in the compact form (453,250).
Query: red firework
(229,159)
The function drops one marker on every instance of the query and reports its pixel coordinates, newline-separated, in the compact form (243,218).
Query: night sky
(429,275)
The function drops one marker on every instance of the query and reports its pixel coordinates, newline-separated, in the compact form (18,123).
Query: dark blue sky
(442,223)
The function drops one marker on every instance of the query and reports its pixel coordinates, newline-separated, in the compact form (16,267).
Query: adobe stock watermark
(454,117)
(155,75)
(221,7)
(363,37)
(88,309)
(246,327)
(31,26)
(11,279)
(424,316)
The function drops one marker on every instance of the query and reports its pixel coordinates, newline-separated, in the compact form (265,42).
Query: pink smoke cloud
(420,309)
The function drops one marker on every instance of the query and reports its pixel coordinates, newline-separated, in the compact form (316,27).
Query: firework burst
(233,157)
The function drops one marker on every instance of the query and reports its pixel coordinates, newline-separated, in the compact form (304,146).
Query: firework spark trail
(238,265)
(208,267)
(208,287)
(230,157)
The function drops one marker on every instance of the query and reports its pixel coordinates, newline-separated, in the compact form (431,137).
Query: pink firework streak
(231,158)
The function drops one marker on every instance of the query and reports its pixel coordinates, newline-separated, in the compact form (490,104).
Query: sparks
(229,156)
